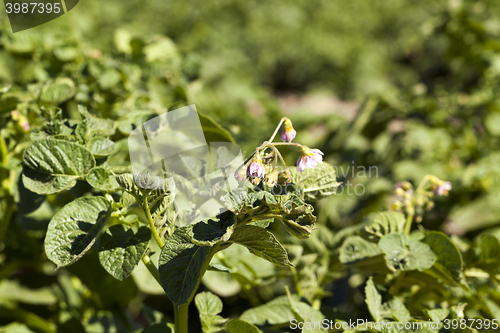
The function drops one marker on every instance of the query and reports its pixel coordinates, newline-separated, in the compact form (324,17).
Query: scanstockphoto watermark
(363,324)
(350,176)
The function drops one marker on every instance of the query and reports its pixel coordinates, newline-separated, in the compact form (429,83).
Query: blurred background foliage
(408,88)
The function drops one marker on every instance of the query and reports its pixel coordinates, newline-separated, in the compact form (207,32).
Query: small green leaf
(58,91)
(403,253)
(121,250)
(100,147)
(385,223)
(52,166)
(399,310)
(447,253)
(356,248)
(437,315)
(100,178)
(315,183)
(241,326)
(75,228)
(276,312)
(262,243)
(180,264)
(373,300)
(213,131)
(209,306)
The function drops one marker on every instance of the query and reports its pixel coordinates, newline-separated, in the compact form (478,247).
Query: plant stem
(3,148)
(181,318)
(150,220)
(9,209)
(277,129)
(181,311)
(409,221)
(151,267)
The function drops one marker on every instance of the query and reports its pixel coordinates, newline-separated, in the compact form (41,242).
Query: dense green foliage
(390,91)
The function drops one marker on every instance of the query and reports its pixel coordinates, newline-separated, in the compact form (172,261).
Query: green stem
(181,318)
(150,220)
(409,221)
(277,129)
(9,209)
(181,311)
(151,267)
(3,148)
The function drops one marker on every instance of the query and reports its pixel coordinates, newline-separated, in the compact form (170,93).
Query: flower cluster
(416,202)
(261,166)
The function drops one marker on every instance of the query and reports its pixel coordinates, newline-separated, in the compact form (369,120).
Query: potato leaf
(52,166)
(121,249)
(181,263)
(75,228)
(262,243)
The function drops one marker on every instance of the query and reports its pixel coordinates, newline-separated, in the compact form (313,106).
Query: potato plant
(86,245)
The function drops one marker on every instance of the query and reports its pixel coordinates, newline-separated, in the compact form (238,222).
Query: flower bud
(288,133)
(21,120)
(240,174)
(271,178)
(256,169)
(397,205)
(284,177)
(441,189)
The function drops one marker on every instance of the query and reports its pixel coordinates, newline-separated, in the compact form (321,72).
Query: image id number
(32,7)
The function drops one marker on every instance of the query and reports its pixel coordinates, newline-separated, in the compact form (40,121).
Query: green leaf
(213,131)
(100,147)
(92,126)
(488,248)
(295,214)
(121,250)
(209,306)
(215,230)
(448,255)
(180,264)
(315,183)
(58,91)
(373,300)
(399,310)
(241,326)
(75,228)
(403,253)
(385,223)
(7,104)
(262,243)
(276,312)
(437,315)
(356,248)
(52,166)
(100,179)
